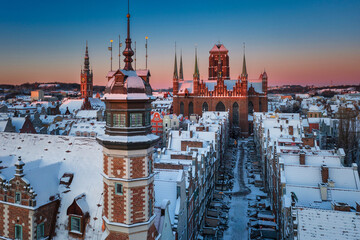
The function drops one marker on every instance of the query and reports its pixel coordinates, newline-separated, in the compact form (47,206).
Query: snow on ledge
(128,139)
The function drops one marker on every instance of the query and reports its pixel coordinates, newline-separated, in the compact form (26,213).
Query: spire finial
(86,58)
(128,52)
(196,70)
(244,71)
(181,67)
(175,76)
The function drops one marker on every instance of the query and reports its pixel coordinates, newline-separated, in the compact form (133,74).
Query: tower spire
(175,76)
(128,52)
(196,70)
(244,71)
(181,68)
(86,58)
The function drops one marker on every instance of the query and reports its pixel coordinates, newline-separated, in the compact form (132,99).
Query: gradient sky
(297,42)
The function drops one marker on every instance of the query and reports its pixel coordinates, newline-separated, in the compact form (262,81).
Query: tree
(349,134)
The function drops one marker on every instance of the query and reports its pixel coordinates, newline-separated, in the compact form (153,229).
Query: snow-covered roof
(18,123)
(165,188)
(46,159)
(72,104)
(87,114)
(314,224)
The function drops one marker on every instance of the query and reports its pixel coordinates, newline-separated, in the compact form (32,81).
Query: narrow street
(243,193)
(238,209)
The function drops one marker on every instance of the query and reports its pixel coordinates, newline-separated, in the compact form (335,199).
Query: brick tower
(219,52)
(128,205)
(86,86)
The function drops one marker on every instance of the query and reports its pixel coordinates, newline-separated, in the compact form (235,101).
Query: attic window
(75,225)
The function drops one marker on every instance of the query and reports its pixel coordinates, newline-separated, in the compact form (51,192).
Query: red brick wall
(137,169)
(185,144)
(106,201)
(19,216)
(118,205)
(106,162)
(117,236)
(1,219)
(47,215)
(168,166)
(152,233)
(138,205)
(118,167)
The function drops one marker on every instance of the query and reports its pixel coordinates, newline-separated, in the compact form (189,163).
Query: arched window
(260,106)
(250,108)
(235,119)
(205,107)
(220,107)
(182,108)
(191,108)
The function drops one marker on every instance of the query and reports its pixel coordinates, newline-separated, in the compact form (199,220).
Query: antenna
(146,54)
(120,45)
(110,49)
(135,55)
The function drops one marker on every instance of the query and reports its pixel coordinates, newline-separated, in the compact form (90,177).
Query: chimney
(291,130)
(179,132)
(281,128)
(323,191)
(191,134)
(302,158)
(324,173)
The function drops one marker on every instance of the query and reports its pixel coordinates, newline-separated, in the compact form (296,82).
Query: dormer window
(75,226)
(18,197)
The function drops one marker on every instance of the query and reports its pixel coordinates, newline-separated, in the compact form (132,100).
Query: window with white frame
(75,224)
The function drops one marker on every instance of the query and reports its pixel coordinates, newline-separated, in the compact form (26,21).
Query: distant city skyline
(297,42)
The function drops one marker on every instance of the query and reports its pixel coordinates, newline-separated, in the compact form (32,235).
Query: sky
(315,42)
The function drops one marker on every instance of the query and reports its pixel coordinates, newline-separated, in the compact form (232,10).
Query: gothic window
(236,114)
(135,119)
(18,232)
(205,107)
(17,197)
(118,188)
(182,108)
(75,224)
(40,233)
(220,107)
(191,108)
(250,108)
(260,106)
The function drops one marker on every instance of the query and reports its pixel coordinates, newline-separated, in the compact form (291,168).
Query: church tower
(175,77)
(244,77)
(196,75)
(86,86)
(128,177)
(219,53)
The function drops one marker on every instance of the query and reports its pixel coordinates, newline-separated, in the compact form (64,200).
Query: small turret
(264,81)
